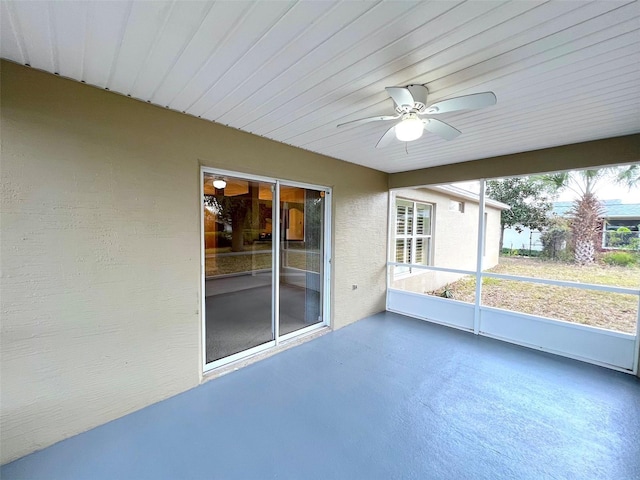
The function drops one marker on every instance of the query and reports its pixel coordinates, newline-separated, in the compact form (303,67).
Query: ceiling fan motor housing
(419,94)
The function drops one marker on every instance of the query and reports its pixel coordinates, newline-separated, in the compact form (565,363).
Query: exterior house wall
(100,250)
(524,240)
(455,240)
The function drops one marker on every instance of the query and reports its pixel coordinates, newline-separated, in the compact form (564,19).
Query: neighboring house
(616,215)
(525,239)
(437,226)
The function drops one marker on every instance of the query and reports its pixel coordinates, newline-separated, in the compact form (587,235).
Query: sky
(605,190)
(608,191)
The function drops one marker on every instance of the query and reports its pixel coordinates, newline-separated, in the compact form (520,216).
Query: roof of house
(612,208)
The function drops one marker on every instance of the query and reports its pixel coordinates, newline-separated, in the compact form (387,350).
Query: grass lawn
(599,309)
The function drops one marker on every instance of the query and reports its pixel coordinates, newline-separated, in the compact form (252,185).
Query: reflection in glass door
(301,257)
(265,252)
(238,251)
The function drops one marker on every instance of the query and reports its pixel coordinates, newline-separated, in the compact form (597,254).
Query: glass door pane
(238,265)
(301,257)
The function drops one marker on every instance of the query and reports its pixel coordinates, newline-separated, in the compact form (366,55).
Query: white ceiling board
(258,20)
(210,37)
(505,64)
(563,72)
(106,25)
(145,23)
(380,26)
(38,43)
(287,30)
(69,38)
(246,95)
(10,46)
(354,71)
(185,19)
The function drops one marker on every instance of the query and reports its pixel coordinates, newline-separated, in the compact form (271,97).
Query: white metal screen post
(481,228)
(390,236)
(636,360)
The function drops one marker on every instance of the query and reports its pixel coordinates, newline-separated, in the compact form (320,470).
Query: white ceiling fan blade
(370,119)
(387,138)
(466,102)
(442,129)
(401,96)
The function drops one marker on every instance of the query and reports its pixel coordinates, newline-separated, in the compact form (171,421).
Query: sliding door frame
(275,250)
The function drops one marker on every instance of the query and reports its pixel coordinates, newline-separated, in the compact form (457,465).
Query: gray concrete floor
(239,320)
(387,397)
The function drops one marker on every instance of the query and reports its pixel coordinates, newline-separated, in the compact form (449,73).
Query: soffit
(563,72)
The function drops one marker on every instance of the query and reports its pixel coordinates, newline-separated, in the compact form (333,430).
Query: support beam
(597,153)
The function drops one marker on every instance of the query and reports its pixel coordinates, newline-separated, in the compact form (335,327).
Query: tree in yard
(585,220)
(555,238)
(529,199)
(233,212)
(587,211)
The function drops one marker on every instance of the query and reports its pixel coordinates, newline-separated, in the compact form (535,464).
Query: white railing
(592,344)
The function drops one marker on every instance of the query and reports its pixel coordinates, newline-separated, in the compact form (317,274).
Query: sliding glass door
(238,222)
(301,253)
(265,251)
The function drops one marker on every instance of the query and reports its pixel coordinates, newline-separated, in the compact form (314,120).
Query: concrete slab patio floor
(387,397)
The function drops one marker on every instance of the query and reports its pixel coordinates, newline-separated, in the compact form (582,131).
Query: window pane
(561,233)
(404,218)
(598,274)
(423,219)
(613,311)
(301,255)
(439,284)
(400,250)
(422,251)
(401,220)
(238,266)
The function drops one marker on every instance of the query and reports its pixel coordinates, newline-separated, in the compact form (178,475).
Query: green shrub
(524,252)
(556,239)
(622,259)
(623,238)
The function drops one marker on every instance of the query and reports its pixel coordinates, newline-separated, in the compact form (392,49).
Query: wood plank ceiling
(563,72)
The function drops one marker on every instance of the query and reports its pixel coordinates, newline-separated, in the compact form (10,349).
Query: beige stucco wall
(455,240)
(100,249)
(576,156)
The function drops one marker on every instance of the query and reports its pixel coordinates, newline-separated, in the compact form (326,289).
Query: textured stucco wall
(100,249)
(576,156)
(455,239)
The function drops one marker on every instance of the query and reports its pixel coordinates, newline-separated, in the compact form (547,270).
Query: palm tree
(587,211)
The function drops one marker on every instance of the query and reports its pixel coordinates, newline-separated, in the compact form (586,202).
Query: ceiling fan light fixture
(219,183)
(409,129)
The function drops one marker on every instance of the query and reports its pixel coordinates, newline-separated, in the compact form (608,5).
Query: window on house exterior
(456,206)
(413,234)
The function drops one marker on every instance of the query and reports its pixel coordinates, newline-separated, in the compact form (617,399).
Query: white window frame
(412,237)
(456,206)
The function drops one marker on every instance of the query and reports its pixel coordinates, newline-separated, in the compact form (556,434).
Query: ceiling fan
(411,104)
